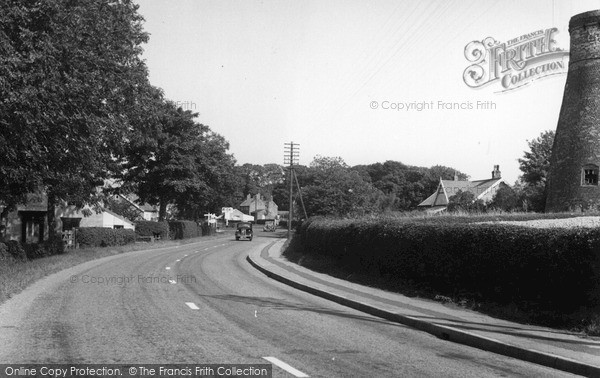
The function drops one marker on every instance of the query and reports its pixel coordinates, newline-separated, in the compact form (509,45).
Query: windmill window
(590,175)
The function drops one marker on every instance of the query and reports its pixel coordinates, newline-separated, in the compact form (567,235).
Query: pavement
(572,352)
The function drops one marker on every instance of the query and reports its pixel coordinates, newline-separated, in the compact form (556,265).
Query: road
(219,309)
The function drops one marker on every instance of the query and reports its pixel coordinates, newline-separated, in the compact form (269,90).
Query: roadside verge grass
(17,275)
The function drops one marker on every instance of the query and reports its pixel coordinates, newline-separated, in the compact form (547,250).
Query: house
(484,190)
(259,207)
(147,212)
(28,223)
(233,215)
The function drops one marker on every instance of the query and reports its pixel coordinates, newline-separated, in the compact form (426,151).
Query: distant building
(259,207)
(233,215)
(484,190)
(146,211)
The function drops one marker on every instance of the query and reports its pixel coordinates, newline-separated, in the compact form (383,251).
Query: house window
(590,175)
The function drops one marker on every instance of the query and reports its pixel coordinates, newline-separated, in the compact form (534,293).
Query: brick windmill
(574,165)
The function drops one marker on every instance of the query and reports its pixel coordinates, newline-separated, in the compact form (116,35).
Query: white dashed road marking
(192,305)
(172,282)
(295,372)
(168,268)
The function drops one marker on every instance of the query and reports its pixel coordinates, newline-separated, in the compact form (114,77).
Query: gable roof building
(484,190)
(261,208)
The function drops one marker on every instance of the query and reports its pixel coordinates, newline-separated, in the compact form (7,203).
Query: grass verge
(16,275)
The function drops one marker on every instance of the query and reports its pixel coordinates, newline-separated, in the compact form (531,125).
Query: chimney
(496,172)
(248,196)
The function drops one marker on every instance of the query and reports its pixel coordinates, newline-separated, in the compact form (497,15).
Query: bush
(4,255)
(554,268)
(207,229)
(34,250)
(104,237)
(182,229)
(55,247)
(159,230)
(15,249)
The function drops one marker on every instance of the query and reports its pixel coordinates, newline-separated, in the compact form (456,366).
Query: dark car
(244,231)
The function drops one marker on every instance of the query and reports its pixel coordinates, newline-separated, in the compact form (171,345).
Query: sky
(367,81)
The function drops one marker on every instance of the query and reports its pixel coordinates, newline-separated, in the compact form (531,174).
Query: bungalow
(484,190)
(230,214)
(28,223)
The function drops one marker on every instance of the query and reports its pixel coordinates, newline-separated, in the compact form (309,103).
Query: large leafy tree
(70,73)
(335,189)
(173,160)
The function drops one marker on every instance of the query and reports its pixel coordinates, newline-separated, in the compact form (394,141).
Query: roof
(448,188)
(250,201)
(118,216)
(145,207)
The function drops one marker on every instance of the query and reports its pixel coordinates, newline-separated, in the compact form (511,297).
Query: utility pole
(291,155)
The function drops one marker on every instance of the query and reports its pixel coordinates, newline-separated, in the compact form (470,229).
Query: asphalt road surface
(204,303)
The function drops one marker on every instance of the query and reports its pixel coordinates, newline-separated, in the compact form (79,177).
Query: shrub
(554,268)
(207,229)
(158,230)
(4,255)
(55,247)
(34,251)
(182,229)
(15,249)
(104,237)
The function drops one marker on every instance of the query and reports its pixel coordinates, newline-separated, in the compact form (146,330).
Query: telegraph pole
(291,155)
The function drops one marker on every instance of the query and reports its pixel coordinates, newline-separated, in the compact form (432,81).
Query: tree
(173,160)
(338,190)
(535,165)
(465,201)
(404,186)
(506,199)
(70,73)
(536,162)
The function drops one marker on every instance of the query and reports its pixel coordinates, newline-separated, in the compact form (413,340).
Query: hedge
(555,268)
(182,229)
(104,237)
(151,228)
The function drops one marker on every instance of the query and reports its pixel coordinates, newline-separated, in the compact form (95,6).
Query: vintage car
(270,226)
(244,231)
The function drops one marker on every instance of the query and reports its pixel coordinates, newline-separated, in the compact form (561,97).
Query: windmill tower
(574,165)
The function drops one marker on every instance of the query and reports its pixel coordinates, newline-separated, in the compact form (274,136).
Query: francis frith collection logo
(515,63)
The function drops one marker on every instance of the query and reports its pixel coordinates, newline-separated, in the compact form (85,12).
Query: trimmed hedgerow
(104,237)
(182,229)
(555,268)
(151,228)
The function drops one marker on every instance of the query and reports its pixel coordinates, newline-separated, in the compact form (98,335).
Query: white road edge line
(295,372)
(192,305)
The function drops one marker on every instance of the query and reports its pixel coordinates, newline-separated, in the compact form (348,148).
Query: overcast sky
(263,73)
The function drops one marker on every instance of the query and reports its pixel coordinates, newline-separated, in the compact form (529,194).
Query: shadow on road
(282,304)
